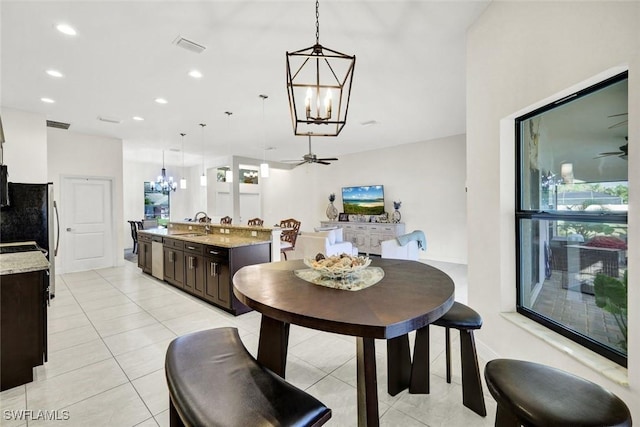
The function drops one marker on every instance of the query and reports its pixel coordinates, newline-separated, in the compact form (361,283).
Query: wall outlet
(254,233)
(190,228)
(226,231)
(222,230)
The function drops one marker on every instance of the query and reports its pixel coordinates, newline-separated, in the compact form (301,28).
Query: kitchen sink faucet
(195,217)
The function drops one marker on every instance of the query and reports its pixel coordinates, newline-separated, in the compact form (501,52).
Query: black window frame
(583,216)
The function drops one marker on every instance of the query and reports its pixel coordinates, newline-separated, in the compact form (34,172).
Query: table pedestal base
(273,343)
(367,382)
(398,364)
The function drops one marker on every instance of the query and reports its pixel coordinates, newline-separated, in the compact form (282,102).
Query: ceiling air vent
(109,119)
(189,45)
(58,125)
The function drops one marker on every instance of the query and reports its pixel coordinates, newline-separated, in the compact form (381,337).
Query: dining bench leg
(272,347)
(398,364)
(472,396)
(367,383)
(419,382)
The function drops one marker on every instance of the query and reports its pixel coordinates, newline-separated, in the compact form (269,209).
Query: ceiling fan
(622,123)
(624,151)
(312,158)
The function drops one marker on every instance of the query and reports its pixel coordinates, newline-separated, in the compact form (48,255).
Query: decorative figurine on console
(395,216)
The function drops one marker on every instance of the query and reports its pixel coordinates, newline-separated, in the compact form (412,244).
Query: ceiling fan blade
(611,153)
(622,123)
(323,162)
(330,159)
(601,155)
(618,115)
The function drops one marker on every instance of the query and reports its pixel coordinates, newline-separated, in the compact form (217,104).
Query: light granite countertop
(231,240)
(22,262)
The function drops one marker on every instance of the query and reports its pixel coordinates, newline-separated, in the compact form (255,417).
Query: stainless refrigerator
(32,215)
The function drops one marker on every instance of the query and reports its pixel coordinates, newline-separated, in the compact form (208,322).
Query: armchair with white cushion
(404,247)
(329,242)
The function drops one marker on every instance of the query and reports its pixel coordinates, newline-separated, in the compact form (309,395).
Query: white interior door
(88,223)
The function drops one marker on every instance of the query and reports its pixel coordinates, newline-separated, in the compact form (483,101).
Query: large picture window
(571,217)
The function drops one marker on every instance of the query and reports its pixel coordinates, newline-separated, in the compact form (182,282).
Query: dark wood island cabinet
(194,269)
(203,264)
(174,262)
(144,253)
(24,287)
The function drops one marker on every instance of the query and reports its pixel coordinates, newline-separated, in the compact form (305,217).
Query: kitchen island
(23,312)
(201,259)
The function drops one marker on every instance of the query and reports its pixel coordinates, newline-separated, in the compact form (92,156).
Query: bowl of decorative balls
(337,266)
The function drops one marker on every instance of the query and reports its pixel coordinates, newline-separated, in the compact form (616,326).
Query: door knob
(68,229)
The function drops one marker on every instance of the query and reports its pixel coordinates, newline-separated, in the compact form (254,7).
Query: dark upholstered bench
(531,394)
(214,381)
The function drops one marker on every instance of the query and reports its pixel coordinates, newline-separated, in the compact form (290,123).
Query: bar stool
(134,235)
(464,319)
(532,394)
(255,222)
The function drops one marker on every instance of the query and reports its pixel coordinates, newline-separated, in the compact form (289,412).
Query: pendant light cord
(202,125)
(183,135)
(264,137)
(317,22)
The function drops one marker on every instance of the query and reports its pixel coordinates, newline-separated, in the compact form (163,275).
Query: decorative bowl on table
(337,266)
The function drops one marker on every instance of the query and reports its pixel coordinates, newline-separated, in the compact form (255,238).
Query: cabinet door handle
(214,269)
(190,247)
(214,252)
(170,256)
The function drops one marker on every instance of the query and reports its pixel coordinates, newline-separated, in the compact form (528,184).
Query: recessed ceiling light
(195,74)
(138,118)
(161,101)
(66,29)
(54,73)
(47,100)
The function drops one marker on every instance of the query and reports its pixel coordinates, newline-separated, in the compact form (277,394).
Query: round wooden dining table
(410,296)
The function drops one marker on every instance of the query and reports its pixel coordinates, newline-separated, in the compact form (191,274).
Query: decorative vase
(395,216)
(332,212)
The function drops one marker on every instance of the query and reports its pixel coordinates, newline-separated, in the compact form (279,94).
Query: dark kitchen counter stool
(465,319)
(214,381)
(531,394)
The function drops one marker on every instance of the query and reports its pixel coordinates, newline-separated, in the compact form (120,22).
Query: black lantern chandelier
(163,183)
(319,87)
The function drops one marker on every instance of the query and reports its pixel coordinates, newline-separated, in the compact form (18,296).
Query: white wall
(25,149)
(74,154)
(518,54)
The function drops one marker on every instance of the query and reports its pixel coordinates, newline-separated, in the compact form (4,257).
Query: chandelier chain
(317,22)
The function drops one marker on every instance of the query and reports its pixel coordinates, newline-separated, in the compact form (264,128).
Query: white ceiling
(409,74)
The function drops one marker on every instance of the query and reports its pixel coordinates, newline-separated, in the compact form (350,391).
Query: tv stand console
(367,236)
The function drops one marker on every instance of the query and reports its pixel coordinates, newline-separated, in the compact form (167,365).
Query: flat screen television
(363,200)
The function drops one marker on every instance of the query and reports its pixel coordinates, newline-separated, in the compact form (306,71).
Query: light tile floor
(109,330)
